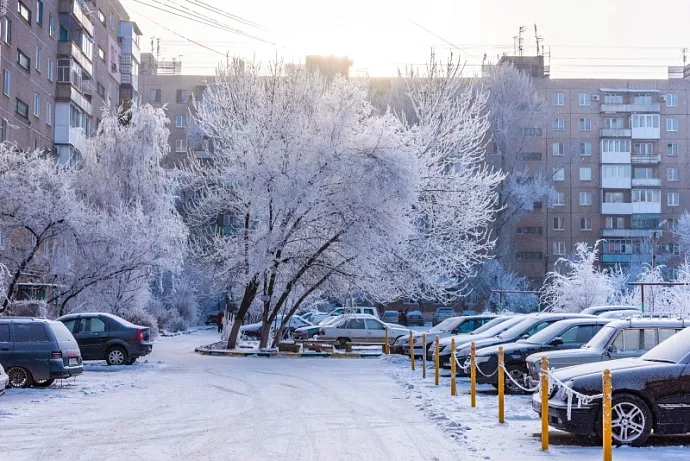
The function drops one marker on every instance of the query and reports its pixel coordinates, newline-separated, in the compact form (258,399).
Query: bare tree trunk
(265,332)
(247,299)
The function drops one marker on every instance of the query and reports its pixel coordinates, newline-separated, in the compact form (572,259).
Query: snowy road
(189,407)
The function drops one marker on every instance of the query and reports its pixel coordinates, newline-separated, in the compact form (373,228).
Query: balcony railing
(619,258)
(645,159)
(66,92)
(615,132)
(616,183)
(626,233)
(630,108)
(68,48)
(616,208)
(646,207)
(615,157)
(646,182)
(73,8)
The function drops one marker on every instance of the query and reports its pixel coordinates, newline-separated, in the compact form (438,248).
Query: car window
(636,339)
(4,333)
(466,327)
(61,332)
(538,327)
(664,333)
(92,325)
(374,325)
(30,333)
(355,324)
(69,324)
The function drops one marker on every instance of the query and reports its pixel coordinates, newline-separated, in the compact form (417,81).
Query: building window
(585,198)
(672,100)
(49,114)
(101,54)
(6,30)
(3,130)
(112,21)
(50,70)
(181,121)
(672,174)
(611,98)
(615,171)
(529,231)
(644,148)
(37,105)
(558,99)
(37,60)
(645,121)
(559,224)
(6,82)
(23,60)
(584,99)
(671,124)
(154,95)
(672,149)
(646,196)
(673,199)
(558,174)
(558,148)
(559,199)
(613,123)
(101,17)
(22,108)
(643,173)
(52,26)
(24,12)
(613,222)
(643,99)
(182,96)
(39,13)
(101,90)
(585,223)
(615,145)
(559,124)
(586,149)
(585,124)
(585,173)
(180,145)
(559,248)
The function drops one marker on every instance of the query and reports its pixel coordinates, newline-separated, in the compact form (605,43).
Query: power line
(226,14)
(439,37)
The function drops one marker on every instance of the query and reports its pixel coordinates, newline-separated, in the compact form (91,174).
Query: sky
(584,38)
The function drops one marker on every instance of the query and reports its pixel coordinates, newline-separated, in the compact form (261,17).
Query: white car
(4,380)
(360,328)
(318,319)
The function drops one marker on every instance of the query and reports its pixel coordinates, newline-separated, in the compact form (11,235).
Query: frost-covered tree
(320,193)
(579,283)
(682,232)
(492,275)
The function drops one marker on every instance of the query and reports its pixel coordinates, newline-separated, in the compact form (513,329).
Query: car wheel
(342,342)
(44,383)
(131,361)
(518,374)
(116,356)
(631,420)
(19,377)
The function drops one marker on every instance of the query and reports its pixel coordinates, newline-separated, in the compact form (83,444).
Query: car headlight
(482,358)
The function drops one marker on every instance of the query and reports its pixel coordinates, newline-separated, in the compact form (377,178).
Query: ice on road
(180,405)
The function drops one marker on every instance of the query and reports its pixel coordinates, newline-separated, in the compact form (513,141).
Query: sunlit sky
(585,38)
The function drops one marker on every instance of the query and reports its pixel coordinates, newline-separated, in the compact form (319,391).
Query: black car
(650,393)
(565,334)
(108,337)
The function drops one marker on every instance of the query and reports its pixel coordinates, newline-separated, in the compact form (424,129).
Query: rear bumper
(58,370)
(140,349)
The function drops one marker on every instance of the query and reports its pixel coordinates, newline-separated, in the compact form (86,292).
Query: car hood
(597,368)
(509,348)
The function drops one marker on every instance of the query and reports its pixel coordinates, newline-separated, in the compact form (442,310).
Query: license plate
(536,405)
(73,362)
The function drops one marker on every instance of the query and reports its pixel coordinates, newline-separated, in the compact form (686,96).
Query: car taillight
(74,354)
(56,355)
(140,335)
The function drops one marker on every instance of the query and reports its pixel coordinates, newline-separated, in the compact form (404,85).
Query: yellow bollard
(606,414)
(411,351)
(423,355)
(473,377)
(436,360)
(544,403)
(501,387)
(453,390)
(386,346)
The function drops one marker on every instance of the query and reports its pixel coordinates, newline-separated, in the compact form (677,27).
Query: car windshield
(671,350)
(414,314)
(601,339)
(490,324)
(546,335)
(444,311)
(517,329)
(501,327)
(446,325)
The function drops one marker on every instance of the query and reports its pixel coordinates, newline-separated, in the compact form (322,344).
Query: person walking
(402,318)
(219,322)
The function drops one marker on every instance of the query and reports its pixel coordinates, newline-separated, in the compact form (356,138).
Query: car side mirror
(525,336)
(557,342)
(611,349)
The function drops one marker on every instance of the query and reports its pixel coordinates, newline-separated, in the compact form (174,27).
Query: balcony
(616,258)
(645,159)
(630,108)
(646,182)
(67,48)
(66,92)
(626,233)
(616,183)
(615,157)
(616,208)
(72,8)
(615,132)
(646,207)
(646,133)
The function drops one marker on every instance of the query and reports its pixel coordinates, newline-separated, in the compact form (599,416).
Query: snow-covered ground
(179,405)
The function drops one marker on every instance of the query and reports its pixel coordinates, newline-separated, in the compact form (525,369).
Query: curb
(304,355)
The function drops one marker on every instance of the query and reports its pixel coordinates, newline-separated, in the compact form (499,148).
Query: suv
(37,351)
(108,337)
(345,310)
(616,340)
(441,314)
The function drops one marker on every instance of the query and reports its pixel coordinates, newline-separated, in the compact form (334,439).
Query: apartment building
(617,152)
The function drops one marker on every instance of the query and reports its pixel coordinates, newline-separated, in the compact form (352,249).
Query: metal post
(538,303)
(606,415)
(436,360)
(423,355)
(500,302)
(642,295)
(411,351)
(473,376)
(501,385)
(453,390)
(386,346)
(544,403)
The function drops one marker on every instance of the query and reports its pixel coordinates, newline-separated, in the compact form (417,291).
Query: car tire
(44,383)
(636,411)
(116,356)
(342,342)
(131,360)
(517,372)
(19,377)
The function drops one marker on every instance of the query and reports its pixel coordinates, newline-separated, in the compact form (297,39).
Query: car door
(578,335)
(376,331)
(632,342)
(356,330)
(92,337)
(6,345)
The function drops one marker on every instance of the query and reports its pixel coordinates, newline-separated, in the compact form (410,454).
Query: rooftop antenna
(152,45)
(685,55)
(521,29)
(539,39)
(158,48)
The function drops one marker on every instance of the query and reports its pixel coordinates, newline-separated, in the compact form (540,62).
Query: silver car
(616,340)
(4,380)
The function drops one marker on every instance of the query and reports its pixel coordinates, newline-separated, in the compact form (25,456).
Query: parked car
(108,337)
(253,330)
(441,314)
(4,380)
(310,331)
(390,317)
(649,394)
(564,334)
(319,318)
(449,327)
(596,310)
(360,328)
(488,330)
(624,314)
(415,319)
(36,352)
(616,340)
(530,325)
